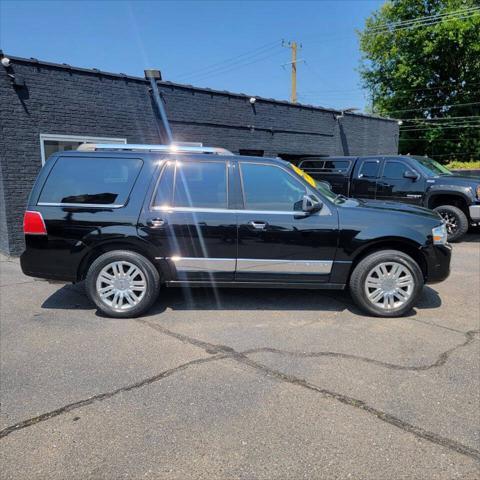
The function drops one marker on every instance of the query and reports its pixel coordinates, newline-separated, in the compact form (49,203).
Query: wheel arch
(443,197)
(110,245)
(403,245)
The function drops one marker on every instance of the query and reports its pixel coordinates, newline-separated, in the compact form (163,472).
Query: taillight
(33,224)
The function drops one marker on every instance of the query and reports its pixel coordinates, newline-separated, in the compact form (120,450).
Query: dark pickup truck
(403,178)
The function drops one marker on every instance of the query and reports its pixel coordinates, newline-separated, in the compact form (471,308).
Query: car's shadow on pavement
(73,297)
(473,236)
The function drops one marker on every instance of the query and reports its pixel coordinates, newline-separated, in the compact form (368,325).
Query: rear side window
(87,181)
(311,164)
(164,193)
(200,185)
(369,169)
(336,166)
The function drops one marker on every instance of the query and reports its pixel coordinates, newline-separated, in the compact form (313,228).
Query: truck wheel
(386,283)
(455,220)
(122,283)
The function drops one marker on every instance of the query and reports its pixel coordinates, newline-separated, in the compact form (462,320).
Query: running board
(297,285)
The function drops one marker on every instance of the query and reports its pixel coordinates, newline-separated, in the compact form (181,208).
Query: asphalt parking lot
(241,384)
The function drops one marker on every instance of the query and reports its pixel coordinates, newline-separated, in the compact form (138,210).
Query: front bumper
(437,258)
(474,211)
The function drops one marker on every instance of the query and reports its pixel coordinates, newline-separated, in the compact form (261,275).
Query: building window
(59,143)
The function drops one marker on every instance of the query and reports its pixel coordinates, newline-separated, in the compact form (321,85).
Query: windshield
(431,167)
(317,185)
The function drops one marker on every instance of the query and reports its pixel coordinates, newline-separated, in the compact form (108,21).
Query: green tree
(421,64)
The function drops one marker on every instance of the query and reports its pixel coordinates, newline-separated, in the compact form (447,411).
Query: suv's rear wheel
(122,283)
(455,220)
(386,283)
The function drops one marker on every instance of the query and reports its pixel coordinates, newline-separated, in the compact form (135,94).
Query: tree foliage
(426,73)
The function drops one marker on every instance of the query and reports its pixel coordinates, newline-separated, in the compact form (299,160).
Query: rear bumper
(474,211)
(46,263)
(437,258)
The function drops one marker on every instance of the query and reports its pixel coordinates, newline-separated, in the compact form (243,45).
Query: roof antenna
(164,130)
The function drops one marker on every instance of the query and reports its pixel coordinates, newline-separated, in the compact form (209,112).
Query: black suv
(129,219)
(404,178)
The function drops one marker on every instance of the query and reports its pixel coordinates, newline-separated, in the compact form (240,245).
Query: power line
(454,154)
(235,67)
(424,21)
(444,127)
(233,60)
(438,119)
(435,139)
(431,107)
(428,17)
(400,90)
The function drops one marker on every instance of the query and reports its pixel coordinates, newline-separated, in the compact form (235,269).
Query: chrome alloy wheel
(389,285)
(121,285)
(450,220)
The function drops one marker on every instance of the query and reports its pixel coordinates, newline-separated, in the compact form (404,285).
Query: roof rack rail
(173,148)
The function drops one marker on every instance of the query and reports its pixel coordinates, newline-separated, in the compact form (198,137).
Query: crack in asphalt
(419,432)
(360,404)
(221,352)
(433,324)
(441,360)
(104,396)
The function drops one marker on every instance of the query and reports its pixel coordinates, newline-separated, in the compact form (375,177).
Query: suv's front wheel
(122,283)
(386,283)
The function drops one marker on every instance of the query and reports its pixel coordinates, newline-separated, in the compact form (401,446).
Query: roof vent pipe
(165,132)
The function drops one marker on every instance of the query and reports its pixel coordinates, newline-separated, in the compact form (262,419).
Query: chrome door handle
(156,222)
(258,225)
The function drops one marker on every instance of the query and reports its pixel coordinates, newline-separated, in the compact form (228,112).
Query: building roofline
(96,71)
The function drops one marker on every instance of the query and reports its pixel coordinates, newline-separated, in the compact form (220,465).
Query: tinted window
(201,184)
(369,169)
(311,164)
(336,165)
(164,193)
(394,170)
(91,180)
(267,187)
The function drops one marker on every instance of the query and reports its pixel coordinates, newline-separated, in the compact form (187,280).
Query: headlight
(478,191)
(439,235)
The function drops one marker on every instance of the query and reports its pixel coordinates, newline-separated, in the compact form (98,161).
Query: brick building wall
(64,100)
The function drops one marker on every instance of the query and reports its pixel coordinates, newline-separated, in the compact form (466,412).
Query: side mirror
(412,175)
(310,204)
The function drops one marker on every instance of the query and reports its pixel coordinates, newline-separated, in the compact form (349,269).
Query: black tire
(455,220)
(150,274)
(366,265)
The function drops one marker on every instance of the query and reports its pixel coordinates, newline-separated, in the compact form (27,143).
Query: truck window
(394,170)
(369,169)
(312,164)
(336,166)
(90,181)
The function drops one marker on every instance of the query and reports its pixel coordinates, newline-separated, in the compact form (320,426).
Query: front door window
(270,188)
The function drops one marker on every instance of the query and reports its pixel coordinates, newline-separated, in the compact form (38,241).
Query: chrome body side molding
(314,267)
(250,265)
(191,264)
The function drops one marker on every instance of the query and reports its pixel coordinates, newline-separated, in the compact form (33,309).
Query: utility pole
(293,46)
